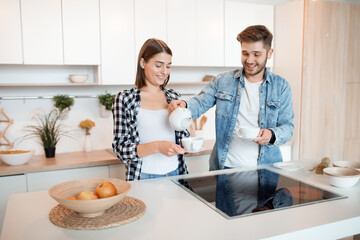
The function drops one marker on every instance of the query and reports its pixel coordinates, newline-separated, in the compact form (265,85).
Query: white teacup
(247,131)
(192,144)
(180,119)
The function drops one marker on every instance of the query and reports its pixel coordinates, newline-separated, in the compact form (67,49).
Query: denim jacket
(276,113)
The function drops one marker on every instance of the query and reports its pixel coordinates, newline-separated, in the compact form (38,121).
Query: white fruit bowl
(347,164)
(342,177)
(78,78)
(16,157)
(88,208)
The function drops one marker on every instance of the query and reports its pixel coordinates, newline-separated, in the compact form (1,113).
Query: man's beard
(261,67)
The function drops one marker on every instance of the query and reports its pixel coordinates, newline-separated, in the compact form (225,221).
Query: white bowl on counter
(347,164)
(62,193)
(16,157)
(342,177)
(78,78)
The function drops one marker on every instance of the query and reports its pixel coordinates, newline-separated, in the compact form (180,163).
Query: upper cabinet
(196,32)
(118,63)
(238,16)
(210,33)
(150,21)
(10,32)
(50,32)
(181,30)
(42,31)
(110,33)
(81,29)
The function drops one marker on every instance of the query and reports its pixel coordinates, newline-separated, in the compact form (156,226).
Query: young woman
(143,138)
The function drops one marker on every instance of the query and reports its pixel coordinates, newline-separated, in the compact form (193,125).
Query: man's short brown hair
(256,33)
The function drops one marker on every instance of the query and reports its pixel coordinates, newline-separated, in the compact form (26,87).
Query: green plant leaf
(107,100)
(63,101)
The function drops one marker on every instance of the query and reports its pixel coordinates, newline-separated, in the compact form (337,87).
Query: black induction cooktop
(244,193)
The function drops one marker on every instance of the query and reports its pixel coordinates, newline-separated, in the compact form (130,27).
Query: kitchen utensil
(248,132)
(88,208)
(342,177)
(192,144)
(199,133)
(16,157)
(202,121)
(289,166)
(195,123)
(347,164)
(192,130)
(78,78)
(208,78)
(180,119)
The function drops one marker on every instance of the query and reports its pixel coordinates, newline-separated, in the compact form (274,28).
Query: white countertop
(173,213)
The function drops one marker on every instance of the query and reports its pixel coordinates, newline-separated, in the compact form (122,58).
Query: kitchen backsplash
(86,106)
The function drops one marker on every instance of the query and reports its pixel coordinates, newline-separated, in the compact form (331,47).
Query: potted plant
(106,101)
(62,102)
(48,129)
(87,125)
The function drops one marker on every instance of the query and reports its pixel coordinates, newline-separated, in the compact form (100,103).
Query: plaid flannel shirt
(126,134)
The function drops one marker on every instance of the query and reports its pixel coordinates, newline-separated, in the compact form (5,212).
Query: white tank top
(242,152)
(153,125)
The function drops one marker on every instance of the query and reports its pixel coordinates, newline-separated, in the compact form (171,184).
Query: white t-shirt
(153,125)
(243,152)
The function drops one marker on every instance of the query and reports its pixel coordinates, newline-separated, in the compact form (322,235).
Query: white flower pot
(103,112)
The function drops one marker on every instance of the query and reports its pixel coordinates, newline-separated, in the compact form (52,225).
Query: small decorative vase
(87,143)
(49,152)
(103,112)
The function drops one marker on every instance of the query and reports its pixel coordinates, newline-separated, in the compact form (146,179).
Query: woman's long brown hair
(151,47)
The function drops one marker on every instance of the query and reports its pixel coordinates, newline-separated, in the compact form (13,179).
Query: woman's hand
(174,104)
(166,148)
(170,149)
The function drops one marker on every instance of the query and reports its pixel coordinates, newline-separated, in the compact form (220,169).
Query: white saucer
(289,166)
(245,138)
(194,151)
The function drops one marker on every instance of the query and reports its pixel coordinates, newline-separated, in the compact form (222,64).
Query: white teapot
(180,119)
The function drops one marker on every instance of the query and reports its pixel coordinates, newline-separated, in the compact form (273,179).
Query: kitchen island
(173,213)
(41,173)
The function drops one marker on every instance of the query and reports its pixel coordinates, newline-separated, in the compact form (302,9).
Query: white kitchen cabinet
(118,61)
(198,164)
(10,32)
(81,30)
(150,21)
(196,32)
(118,171)
(44,180)
(238,16)
(10,185)
(42,31)
(181,31)
(210,33)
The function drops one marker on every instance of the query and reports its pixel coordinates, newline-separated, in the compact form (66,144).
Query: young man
(249,96)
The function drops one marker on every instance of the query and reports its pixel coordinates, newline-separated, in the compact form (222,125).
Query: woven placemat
(128,210)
